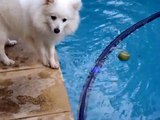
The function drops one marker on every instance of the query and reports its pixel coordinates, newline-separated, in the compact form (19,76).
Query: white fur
(31,20)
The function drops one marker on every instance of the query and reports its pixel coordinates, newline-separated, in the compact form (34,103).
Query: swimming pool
(123,90)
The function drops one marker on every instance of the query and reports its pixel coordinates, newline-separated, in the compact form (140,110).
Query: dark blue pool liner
(101,59)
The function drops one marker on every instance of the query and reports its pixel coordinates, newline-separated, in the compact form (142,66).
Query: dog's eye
(64,19)
(53,17)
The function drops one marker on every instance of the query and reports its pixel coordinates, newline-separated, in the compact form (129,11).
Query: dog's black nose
(56,30)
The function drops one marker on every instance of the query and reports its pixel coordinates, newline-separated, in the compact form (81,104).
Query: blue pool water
(123,90)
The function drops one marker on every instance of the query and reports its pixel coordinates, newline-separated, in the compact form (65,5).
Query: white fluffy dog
(42,22)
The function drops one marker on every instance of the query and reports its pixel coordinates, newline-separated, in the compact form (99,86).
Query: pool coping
(31,91)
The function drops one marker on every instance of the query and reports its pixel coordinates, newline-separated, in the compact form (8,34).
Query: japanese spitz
(42,22)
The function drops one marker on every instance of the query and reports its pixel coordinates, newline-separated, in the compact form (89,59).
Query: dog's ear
(77,4)
(49,2)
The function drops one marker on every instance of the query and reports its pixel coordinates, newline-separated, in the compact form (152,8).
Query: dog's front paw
(45,62)
(54,64)
(11,42)
(51,64)
(49,61)
(8,62)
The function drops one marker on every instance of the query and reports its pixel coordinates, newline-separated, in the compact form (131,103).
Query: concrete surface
(30,91)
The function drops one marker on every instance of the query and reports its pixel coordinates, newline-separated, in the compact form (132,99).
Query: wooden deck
(30,91)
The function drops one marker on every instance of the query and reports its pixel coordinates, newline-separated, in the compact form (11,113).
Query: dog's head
(61,17)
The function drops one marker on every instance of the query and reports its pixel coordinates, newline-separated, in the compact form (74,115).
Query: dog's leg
(3,57)
(11,42)
(46,52)
(40,50)
(53,62)
(44,56)
(48,57)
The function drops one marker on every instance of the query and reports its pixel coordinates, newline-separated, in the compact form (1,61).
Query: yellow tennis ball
(124,56)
